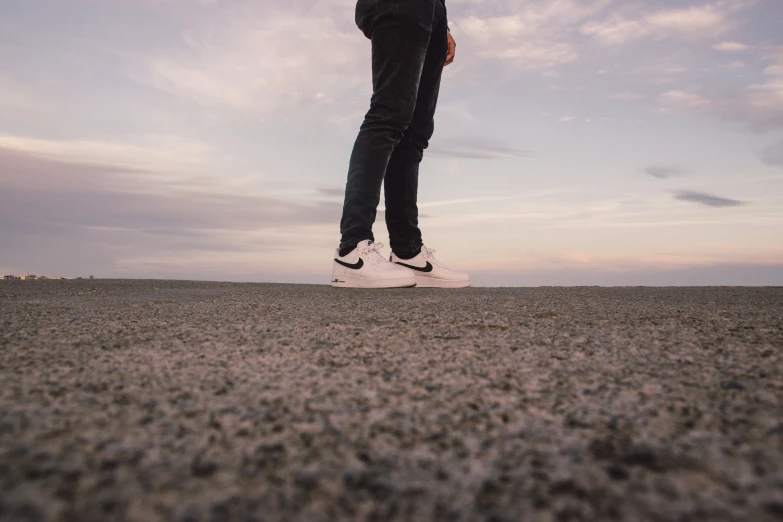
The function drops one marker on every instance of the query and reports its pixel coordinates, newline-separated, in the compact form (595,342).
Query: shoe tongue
(367,245)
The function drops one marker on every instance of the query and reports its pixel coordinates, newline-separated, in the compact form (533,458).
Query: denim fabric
(409,47)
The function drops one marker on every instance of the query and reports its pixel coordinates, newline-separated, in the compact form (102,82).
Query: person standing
(411,43)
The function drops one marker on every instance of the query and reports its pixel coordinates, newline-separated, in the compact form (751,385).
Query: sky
(577,142)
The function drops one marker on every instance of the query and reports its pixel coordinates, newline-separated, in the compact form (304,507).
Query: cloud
(76,213)
(762,103)
(474,147)
(614,31)
(773,155)
(706,199)
(87,194)
(264,58)
(627,96)
(466,201)
(15,96)
(332,192)
(707,19)
(690,19)
(680,98)
(730,47)
(151,152)
(567,119)
(759,105)
(532,35)
(663,172)
(508,43)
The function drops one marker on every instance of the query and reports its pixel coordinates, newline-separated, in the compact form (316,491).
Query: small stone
(202,467)
(644,456)
(776,430)
(617,472)
(733,385)
(306,481)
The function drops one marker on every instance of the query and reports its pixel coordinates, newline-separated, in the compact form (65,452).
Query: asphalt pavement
(130,400)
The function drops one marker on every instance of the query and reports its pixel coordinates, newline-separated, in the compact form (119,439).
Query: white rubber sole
(351,281)
(431,282)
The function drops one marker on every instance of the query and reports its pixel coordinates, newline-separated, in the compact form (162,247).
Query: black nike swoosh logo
(355,266)
(427,268)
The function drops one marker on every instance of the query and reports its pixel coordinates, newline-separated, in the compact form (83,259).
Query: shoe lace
(374,251)
(429,253)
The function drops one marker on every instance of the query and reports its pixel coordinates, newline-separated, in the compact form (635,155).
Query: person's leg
(400,31)
(402,172)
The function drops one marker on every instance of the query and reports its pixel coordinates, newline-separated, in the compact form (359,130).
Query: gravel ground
(192,401)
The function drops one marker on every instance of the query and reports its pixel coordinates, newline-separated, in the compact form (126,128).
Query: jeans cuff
(409,253)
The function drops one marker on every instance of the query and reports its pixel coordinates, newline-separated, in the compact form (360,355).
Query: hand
(452,50)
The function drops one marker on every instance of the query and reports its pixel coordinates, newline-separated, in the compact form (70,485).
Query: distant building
(28,276)
(10,277)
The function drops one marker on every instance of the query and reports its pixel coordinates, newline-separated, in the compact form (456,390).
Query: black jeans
(409,47)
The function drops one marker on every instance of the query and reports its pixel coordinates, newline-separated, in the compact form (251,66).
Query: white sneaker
(430,272)
(365,267)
